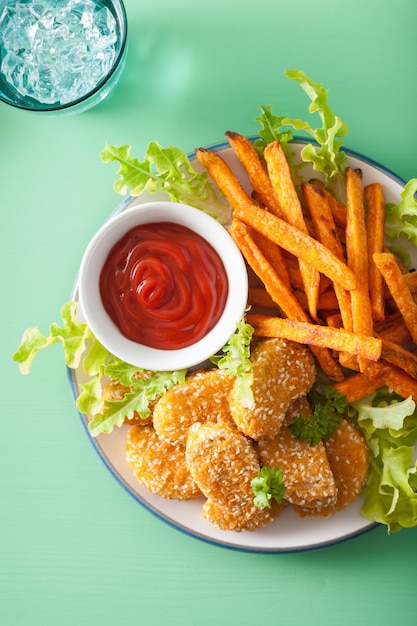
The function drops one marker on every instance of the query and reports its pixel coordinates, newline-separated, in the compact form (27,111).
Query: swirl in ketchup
(163,285)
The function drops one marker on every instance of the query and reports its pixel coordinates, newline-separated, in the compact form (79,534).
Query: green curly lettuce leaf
(401,219)
(235,361)
(328,158)
(136,400)
(166,170)
(272,130)
(72,335)
(389,425)
(325,155)
(82,349)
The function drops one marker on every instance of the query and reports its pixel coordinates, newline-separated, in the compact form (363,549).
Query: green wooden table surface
(75,548)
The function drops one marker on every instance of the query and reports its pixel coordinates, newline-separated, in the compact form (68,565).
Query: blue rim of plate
(163,517)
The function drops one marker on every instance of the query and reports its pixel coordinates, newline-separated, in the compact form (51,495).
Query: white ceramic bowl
(100,322)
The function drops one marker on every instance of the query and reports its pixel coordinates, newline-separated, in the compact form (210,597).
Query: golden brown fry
(375,219)
(326,232)
(399,356)
(411,280)
(282,183)
(401,382)
(357,255)
(224,178)
(338,208)
(393,329)
(295,241)
(400,292)
(273,254)
(259,297)
(358,386)
(364,346)
(279,292)
(275,286)
(259,179)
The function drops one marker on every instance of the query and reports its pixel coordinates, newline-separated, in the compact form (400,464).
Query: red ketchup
(163,285)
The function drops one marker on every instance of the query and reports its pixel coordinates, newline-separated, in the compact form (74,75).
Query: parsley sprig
(324,420)
(268,485)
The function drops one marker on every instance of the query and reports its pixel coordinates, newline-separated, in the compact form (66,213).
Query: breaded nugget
(308,478)
(224,520)
(203,396)
(282,372)
(349,461)
(158,465)
(223,462)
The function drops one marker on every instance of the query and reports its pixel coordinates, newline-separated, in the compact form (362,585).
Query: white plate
(289,533)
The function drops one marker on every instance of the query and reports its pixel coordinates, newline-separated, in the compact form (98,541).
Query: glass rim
(121,18)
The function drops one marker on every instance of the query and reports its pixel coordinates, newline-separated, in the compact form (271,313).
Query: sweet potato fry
(295,241)
(315,335)
(399,356)
(274,285)
(224,178)
(325,229)
(258,177)
(259,297)
(375,219)
(411,280)
(381,374)
(273,254)
(400,292)
(393,329)
(338,208)
(357,255)
(283,186)
(279,292)
(358,386)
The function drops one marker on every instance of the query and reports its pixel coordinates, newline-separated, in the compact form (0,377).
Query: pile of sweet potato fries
(325,272)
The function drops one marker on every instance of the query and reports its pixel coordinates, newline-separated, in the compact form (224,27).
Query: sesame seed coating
(223,463)
(308,478)
(282,372)
(223,519)
(203,396)
(159,465)
(349,461)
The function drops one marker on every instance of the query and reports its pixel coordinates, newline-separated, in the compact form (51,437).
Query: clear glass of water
(60,56)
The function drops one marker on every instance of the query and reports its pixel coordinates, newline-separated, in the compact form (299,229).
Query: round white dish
(289,533)
(109,334)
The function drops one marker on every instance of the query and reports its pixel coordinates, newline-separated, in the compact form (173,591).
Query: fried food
(158,465)
(357,256)
(375,221)
(282,372)
(349,461)
(289,201)
(397,285)
(308,478)
(224,520)
(316,335)
(223,463)
(203,396)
